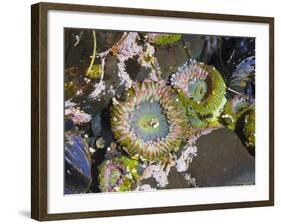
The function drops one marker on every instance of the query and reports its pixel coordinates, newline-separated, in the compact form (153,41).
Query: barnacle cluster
(202,90)
(151,122)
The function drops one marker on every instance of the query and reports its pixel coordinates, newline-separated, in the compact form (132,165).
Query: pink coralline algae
(77,116)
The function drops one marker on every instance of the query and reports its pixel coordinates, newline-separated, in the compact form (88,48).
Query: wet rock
(78,47)
(106,39)
(201,48)
(96,125)
(143,73)
(222,161)
(150,181)
(68,124)
(132,67)
(112,152)
(111,70)
(106,128)
(194,45)
(177,180)
(170,58)
(120,93)
(135,70)
(92,141)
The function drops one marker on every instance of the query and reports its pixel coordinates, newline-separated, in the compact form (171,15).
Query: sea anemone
(202,90)
(151,122)
(119,174)
(233,110)
(249,129)
(242,79)
(163,39)
(70,89)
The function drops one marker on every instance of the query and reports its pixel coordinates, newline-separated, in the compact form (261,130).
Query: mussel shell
(77,167)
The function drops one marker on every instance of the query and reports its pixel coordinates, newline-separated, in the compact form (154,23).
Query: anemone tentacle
(118,174)
(202,89)
(151,122)
(249,129)
(233,110)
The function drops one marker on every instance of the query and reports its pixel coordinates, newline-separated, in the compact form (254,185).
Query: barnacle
(151,123)
(202,90)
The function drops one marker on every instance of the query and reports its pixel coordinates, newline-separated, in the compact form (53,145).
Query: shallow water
(223,156)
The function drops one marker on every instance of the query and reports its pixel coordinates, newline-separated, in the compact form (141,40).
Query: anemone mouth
(198,90)
(201,87)
(151,122)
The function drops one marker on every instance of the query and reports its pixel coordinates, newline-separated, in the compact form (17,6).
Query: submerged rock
(222,160)
(96,125)
(170,58)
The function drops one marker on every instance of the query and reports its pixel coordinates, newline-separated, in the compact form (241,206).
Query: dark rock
(170,58)
(143,73)
(151,181)
(106,39)
(68,124)
(111,70)
(194,45)
(132,67)
(120,93)
(78,47)
(222,161)
(177,180)
(135,70)
(96,125)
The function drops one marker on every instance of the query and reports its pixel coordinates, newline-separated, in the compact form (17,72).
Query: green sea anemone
(151,123)
(202,90)
(118,174)
(70,89)
(233,110)
(249,129)
(164,39)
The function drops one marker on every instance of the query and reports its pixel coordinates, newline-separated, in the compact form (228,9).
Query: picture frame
(41,85)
